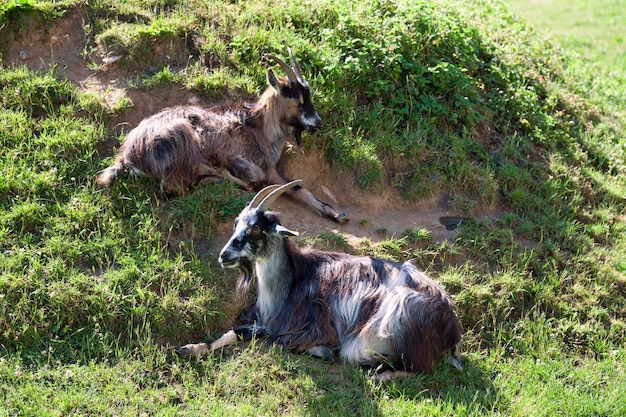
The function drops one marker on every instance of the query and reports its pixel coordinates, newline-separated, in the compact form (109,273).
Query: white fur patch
(272,290)
(229,338)
(395,278)
(364,347)
(348,308)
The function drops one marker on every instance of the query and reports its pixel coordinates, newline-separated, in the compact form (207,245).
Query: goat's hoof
(388,376)
(184,351)
(342,218)
(383,377)
(323,352)
(192,349)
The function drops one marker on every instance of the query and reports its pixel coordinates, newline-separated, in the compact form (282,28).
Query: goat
(187,145)
(377,313)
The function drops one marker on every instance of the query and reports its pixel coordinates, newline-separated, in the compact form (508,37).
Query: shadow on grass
(321,388)
(348,390)
(467,392)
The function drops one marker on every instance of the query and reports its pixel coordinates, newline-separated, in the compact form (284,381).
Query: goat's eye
(255,228)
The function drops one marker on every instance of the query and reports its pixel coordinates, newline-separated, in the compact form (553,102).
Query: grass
(593,31)
(453,98)
(575,25)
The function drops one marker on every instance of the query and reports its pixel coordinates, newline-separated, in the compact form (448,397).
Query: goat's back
(383,309)
(215,130)
(181,145)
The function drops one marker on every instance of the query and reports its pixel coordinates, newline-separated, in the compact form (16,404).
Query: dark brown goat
(369,311)
(187,145)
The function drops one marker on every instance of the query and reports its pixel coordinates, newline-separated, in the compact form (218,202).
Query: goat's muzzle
(312,124)
(228,260)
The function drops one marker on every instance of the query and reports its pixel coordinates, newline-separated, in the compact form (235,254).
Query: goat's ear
(273,80)
(284,231)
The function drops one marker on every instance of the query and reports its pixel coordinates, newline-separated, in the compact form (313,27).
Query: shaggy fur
(364,310)
(187,145)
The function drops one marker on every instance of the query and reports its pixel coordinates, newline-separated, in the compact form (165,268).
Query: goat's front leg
(321,208)
(305,196)
(234,336)
(244,172)
(389,375)
(209,175)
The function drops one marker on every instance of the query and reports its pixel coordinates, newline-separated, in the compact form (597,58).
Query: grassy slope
(456,98)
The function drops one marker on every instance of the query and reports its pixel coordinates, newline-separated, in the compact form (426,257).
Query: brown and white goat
(368,311)
(187,145)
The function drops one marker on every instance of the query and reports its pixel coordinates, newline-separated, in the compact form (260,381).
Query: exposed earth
(374,215)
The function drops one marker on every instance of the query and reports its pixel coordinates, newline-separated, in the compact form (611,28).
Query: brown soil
(375,215)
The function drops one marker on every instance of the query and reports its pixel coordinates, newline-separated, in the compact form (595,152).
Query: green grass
(448,98)
(594,30)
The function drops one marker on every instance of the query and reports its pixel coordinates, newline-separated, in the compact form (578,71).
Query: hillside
(431,110)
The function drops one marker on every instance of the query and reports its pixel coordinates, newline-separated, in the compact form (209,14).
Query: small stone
(24,55)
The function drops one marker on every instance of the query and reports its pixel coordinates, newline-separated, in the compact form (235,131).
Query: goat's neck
(267,117)
(278,134)
(274,277)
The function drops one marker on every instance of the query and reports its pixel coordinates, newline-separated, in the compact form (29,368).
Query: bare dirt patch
(62,47)
(374,215)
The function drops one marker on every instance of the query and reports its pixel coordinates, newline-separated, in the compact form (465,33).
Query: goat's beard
(297,133)
(243,283)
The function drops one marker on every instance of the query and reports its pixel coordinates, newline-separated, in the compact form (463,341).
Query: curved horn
(269,199)
(296,67)
(261,195)
(290,73)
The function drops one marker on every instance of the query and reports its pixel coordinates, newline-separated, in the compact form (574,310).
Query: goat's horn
(274,194)
(261,195)
(290,73)
(296,66)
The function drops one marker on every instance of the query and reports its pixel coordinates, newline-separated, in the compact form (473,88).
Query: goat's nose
(223,257)
(318,121)
(227,258)
(314,122)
